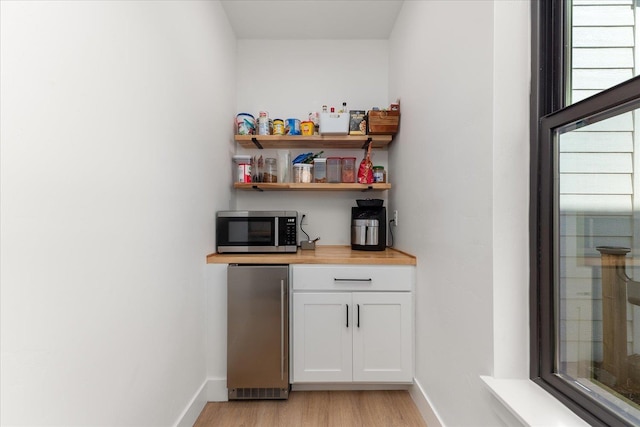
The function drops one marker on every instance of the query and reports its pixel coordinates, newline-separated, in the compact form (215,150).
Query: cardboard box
(383,122)
(357,122)
(334,123)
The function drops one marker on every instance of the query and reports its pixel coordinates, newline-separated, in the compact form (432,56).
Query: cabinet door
(322,338)
(382,337)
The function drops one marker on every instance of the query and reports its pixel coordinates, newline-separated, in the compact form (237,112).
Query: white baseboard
(424,405)
(211,390)
(215,390)
(347,386)
(193,409)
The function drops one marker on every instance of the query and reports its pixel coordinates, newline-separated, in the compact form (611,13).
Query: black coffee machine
(368,225)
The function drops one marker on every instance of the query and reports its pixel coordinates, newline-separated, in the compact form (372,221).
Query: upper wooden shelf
(315,141)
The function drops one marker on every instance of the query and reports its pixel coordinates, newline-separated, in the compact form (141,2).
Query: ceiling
(312,19)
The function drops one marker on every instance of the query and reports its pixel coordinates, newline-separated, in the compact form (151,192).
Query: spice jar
(270,173)
(348,169)
(379,174)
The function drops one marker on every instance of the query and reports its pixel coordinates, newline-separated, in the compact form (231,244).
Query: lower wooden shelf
(313,186)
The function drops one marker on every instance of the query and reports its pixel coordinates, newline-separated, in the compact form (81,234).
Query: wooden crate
(383,122)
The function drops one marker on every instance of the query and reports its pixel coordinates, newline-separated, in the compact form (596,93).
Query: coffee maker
(368,225)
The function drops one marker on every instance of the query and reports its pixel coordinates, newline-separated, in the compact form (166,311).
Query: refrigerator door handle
(282,331)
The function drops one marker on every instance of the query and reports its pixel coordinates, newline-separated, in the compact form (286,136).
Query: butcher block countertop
(321,255)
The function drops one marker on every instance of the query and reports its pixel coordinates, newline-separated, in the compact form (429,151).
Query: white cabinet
(382,337)
(352,324)
(322,340)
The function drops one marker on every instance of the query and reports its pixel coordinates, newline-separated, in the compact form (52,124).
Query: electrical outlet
(304,218)
(395,218)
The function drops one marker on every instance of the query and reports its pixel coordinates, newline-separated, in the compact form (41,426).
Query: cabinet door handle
(358,315)
(347,315)
(338,279)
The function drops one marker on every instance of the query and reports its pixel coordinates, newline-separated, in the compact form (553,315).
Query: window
(585,216)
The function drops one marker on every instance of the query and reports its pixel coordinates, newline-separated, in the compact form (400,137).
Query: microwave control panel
(289,231)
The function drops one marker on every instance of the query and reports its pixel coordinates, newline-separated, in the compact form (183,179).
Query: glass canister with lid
(348,169)
(302,172)
(270,173)
(334,169)
(320,169)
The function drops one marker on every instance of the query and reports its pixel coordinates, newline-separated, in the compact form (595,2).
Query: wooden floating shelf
(315,141)
(290,186)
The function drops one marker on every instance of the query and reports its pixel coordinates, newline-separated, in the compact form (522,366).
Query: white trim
(211,390)
(347,386)
(530,404)
(217,390)
(193,409)
(424,405)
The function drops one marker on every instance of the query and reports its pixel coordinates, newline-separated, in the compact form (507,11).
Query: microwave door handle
(276,232)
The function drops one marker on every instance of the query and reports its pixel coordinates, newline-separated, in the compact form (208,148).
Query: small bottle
(333,110)
(263,123)
(344,107)
(324,108)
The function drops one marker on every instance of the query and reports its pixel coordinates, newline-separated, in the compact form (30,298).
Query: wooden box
(383,122)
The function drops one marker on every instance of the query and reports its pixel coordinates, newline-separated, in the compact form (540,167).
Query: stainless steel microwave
(256,231)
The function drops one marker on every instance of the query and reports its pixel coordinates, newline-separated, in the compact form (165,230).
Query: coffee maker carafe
(368,225)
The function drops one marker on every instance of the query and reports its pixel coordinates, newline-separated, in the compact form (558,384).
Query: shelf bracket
(367,143)
(255,187)
(256,142)
(369,188)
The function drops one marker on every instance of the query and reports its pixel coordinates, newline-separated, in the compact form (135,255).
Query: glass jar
(348,169)
(302,172)
(270,170)
(334,170)
(320,169)
(379,174)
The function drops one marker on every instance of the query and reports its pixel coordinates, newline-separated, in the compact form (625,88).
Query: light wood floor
(317,408)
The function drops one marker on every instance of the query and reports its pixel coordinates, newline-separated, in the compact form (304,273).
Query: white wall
(115,148)
(290,78)
(115,138)
(463,206)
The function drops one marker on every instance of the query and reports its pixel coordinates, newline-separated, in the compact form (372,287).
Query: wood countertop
(321,255)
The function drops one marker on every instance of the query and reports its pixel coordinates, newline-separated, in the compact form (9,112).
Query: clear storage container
(348,169)
(242,168)
(320,169)
(334,169)
(270,170)
(302,172)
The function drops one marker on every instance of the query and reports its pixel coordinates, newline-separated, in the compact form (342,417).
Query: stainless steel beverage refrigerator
(257,331)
